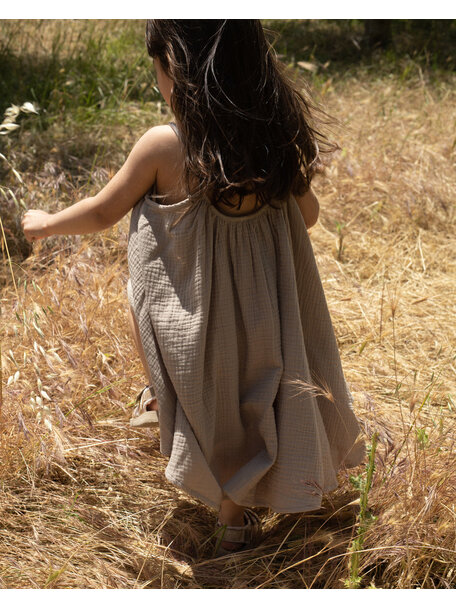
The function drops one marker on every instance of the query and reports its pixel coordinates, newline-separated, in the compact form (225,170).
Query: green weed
(363,484)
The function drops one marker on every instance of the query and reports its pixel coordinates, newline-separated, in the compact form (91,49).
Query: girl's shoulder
(155,148)
(161,140)
(165,147)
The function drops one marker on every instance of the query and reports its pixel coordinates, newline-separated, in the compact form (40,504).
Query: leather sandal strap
(146,396)
(252,517)
(233,534)
(141,416)
(241,534)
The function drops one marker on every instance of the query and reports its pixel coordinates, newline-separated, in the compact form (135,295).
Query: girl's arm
(96,213)
(309,207)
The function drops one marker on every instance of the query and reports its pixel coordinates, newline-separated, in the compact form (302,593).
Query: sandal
(141,416)
(245,534)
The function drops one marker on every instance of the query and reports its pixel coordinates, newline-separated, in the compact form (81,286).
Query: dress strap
(174,128)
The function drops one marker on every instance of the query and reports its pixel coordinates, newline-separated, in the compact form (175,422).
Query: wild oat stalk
(9,258)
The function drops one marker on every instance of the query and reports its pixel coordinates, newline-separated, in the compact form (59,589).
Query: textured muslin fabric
(252,399)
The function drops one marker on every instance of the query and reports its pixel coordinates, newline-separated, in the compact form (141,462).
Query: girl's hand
(35,224)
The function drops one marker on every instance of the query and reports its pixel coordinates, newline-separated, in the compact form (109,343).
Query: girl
(227,307)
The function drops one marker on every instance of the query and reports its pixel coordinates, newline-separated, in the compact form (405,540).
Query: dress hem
(251,505)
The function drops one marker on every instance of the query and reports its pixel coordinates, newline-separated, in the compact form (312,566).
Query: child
(227,307)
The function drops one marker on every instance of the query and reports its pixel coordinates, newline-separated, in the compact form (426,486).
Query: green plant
(363,484)
(422,437)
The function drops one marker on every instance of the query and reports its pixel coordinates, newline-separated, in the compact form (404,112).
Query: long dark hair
(245,126)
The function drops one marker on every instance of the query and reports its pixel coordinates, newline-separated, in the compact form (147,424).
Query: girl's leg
(135,332)
(230,513)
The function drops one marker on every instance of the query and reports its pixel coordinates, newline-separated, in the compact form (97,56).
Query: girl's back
(169,188)
(169,185)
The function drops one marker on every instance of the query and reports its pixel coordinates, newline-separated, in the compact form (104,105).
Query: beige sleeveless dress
(252,400)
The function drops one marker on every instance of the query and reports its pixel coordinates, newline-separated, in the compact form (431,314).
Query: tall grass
(68,66)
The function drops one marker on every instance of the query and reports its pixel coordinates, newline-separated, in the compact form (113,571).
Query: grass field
(83,498)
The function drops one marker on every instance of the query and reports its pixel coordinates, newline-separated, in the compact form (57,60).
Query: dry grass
(84,501)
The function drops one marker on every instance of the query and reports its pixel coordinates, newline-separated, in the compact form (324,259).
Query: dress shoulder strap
(174,128)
